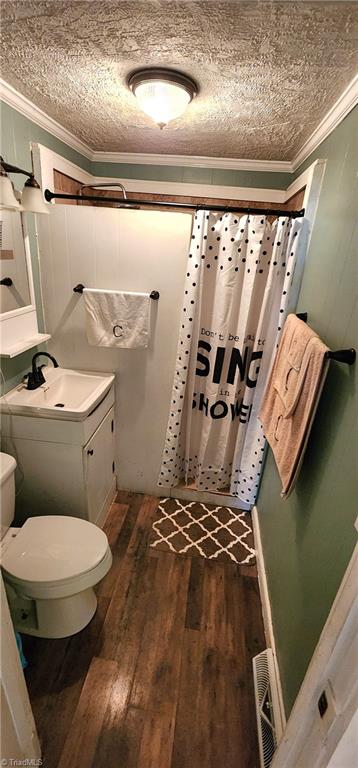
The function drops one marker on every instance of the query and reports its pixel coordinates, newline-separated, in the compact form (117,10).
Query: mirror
(13,263)
(19,329)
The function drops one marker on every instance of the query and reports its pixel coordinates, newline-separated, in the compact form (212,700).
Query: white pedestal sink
(62,435)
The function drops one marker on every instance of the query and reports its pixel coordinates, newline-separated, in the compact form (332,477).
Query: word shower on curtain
(243,277)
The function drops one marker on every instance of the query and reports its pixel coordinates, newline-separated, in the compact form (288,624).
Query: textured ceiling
(268,71)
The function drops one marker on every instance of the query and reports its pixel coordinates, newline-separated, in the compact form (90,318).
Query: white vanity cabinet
(99,467)
(65,467)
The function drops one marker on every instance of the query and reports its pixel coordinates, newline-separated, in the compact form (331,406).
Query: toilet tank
(7,491)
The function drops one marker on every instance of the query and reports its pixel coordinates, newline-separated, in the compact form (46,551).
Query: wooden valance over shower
(67,191)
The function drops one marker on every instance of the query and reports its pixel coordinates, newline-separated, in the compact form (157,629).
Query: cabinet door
(98,462)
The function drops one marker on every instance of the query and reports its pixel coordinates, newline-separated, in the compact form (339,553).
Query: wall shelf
(23,345)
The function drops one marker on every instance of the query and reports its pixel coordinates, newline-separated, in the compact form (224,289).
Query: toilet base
(56,618)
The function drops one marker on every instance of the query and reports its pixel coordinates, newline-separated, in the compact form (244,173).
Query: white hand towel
(117,318)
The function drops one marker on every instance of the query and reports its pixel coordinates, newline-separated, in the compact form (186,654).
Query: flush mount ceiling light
(163,94)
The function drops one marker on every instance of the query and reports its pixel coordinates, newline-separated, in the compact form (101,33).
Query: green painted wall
(219,176)
(308,539)
(16,134)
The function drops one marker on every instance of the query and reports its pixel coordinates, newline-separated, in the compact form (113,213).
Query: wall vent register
(268,714)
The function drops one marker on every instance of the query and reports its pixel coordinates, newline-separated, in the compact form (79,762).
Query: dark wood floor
(162,676)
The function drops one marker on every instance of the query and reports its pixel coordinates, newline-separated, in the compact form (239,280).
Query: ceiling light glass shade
(162,101)
(8,200)
(162,94)
(32,200)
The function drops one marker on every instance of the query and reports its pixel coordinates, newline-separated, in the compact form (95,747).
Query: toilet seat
(56,556)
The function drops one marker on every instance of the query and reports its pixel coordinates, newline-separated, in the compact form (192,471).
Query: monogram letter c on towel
(118,331)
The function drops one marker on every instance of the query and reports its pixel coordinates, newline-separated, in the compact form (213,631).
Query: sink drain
(59,405)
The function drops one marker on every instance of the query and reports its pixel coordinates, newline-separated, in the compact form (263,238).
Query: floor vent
(269,723)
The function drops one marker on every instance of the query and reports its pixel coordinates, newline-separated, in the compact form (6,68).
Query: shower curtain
(242,279)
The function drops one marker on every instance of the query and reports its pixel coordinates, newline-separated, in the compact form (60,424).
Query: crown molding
(193,161)
(46,161)
(19,102)
(344,104)
(14,99)
(334,116)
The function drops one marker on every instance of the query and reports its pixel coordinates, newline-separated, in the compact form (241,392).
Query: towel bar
(347,356)
(80,288)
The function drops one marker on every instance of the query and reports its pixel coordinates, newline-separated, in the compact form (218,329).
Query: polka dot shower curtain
(242,279)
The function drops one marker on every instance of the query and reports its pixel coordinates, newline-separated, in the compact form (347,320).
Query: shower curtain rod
(186,206)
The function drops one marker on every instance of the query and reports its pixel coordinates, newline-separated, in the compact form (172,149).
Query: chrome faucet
(35,377)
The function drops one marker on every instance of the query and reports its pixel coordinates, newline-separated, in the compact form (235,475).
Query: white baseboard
(266,610)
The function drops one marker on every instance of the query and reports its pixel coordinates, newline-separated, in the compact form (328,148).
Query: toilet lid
(54,547)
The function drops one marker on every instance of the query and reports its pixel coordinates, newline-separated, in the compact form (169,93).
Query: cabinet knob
(90,451)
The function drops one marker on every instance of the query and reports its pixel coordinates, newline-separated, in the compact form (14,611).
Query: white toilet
(49,566)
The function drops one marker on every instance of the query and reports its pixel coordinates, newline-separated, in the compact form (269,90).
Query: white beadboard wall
(134,251)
